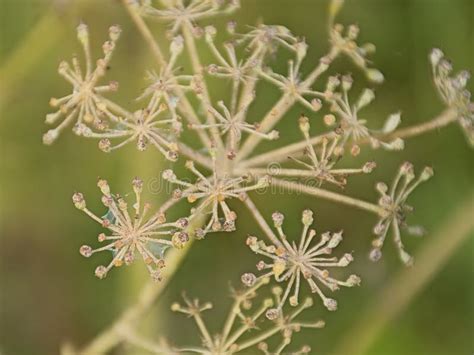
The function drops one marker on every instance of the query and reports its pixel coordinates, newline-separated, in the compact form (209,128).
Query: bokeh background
(48,292)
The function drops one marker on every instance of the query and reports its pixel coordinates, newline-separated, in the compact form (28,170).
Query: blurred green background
(48,291)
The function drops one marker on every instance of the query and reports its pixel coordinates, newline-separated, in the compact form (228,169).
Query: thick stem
(329,195)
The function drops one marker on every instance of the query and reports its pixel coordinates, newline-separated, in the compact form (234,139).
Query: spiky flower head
(393,201)
(353,128)
(247,325)
(132,231)
(213,194)
(344,40)
(291,263)
(85,105)
(322,166)
(179,14)
(233,126)
(452,90)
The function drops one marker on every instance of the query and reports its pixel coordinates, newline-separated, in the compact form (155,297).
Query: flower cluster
(222,135)
(85,105)
(322,166)
(352,126)
(453,92)
(393,202)
(292,262)
(213,194)
(228,136)
(246,326)
(132,231)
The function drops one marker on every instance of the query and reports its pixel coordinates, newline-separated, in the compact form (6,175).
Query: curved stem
(397,294)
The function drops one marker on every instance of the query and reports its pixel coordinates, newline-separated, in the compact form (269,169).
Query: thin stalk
(278,155)
(397,295)
(281,154)
(258,339)
(261,221)
(329,195)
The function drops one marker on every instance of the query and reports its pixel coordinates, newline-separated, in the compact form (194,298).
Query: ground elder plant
(178,110)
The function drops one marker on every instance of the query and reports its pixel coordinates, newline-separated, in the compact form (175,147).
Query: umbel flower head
(393,201)
(345,41)
(85,105)
(145,126)
(353,127)
(287,325)
(246,325)
(291,263)
(452,90)
(132,234)
(179,13)
(322,166)
(233,125)
(213,194)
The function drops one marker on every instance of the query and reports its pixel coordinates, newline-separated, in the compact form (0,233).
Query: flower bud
(248,279)
(375,76)
(79,201)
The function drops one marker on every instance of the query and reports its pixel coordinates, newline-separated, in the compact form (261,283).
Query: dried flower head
(287,325)
(346,43)
(169,85)
(354,127)
(452,90)
(133,233)
(246,326)
(181,13)
(85,105)
(322,166)
(233,125)
(145,126)
(213,194)
(269,37)
(229,65)
(290,262)
(293,85)
(393,201)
